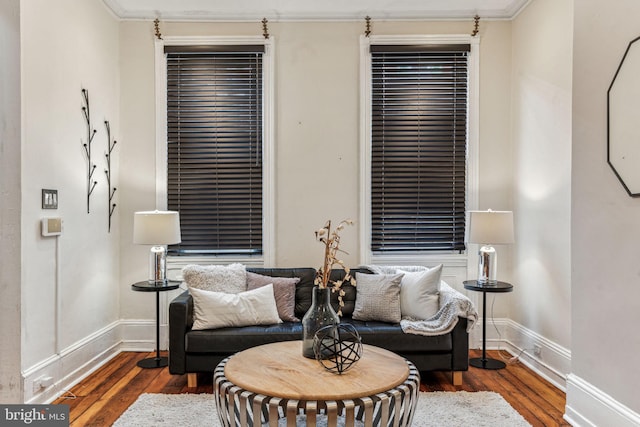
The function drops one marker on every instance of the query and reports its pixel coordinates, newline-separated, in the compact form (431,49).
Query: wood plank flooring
(102,397)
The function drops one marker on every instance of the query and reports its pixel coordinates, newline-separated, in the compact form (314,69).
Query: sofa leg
(192,380)
(457,377)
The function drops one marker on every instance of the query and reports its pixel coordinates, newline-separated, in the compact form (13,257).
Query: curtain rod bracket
(476,25)
(265,29)
(156,26)
(367,31)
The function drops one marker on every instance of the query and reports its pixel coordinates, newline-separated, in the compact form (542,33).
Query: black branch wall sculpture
(91,132)
(111,206)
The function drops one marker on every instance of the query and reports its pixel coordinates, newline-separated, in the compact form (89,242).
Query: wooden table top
(280,370)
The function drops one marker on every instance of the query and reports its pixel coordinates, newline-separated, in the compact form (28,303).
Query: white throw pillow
(231,278)
(420,293)
(219,310)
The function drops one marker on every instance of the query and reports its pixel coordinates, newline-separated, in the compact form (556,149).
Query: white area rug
(437,409)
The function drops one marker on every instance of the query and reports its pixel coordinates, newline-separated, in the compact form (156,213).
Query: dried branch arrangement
(331,241)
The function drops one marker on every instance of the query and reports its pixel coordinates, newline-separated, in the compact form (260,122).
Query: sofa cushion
(380,334)
(284,290)
(419,293)
(232,340)
(378,297)
(218,309)
(218,278)
(391,337)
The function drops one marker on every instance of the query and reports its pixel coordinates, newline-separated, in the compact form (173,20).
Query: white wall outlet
(41,383)
(537,350)
(46,381)
(37,384)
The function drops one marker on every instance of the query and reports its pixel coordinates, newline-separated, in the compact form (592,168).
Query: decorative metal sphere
(337,347)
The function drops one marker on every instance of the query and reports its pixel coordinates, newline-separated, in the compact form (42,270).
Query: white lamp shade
(490,227)
(156,228)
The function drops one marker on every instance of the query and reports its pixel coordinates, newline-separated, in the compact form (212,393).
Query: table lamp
(157,228)
(489,228)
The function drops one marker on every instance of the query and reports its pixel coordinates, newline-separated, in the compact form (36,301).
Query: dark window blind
(419,136)
(214,139)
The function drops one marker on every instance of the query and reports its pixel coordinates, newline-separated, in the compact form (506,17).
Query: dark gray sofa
(191,352)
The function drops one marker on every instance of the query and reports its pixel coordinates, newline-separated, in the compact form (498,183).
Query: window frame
(448,258)
(268,255)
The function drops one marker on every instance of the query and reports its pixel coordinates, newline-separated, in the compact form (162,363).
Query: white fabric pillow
(219,310)
(231,278)
(419,293)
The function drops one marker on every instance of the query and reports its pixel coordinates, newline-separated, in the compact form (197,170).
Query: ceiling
(293,10)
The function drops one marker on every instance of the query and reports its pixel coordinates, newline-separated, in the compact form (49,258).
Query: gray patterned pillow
(378,297)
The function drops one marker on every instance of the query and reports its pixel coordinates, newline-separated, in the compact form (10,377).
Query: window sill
(428,260)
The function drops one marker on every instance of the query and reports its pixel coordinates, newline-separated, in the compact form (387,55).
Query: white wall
(317,122)
(605,230)
(495,176)
(10,350)
(67,45)
(317,81)
(137,192)
(541,134)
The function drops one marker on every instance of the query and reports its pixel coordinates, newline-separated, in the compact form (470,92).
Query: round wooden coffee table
(269,382)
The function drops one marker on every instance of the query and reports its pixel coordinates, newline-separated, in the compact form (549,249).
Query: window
(215,136)
(417,147)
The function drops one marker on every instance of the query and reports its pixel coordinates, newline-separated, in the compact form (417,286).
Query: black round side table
(498,287)
(157,287)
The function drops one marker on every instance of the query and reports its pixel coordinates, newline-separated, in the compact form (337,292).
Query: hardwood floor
(103,396)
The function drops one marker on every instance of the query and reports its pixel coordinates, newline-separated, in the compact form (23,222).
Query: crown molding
(309,10)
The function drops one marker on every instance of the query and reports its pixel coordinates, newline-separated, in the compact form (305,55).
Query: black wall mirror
(623,120)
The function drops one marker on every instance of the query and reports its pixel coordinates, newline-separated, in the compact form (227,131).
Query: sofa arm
(180,322)
(460,346)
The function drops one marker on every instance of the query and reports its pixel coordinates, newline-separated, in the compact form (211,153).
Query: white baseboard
(140,335)
(590,406)
(71,365)
(587,406)
(552,363)
(84,357)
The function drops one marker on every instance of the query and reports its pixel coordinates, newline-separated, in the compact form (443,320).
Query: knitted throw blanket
(452,305)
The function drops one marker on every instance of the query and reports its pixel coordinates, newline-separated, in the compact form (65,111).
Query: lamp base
(153,362)
(487,363)
(487,266)
(158,264)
